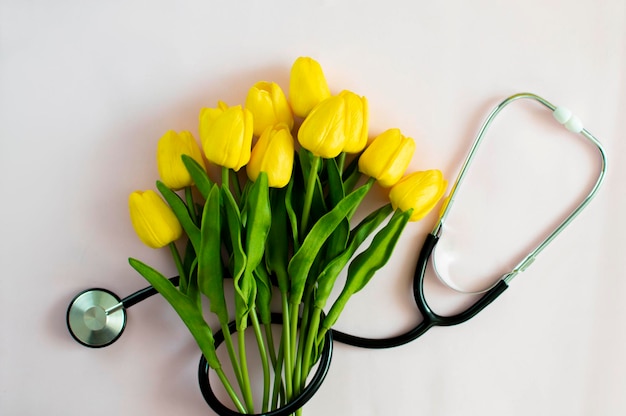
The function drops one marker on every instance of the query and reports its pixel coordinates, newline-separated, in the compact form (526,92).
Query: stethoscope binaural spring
(97,317)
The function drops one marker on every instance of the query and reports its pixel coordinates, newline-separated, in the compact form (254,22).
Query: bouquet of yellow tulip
(285,230)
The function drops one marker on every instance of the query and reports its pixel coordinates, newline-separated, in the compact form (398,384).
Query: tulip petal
(419,191)
(307,86)
(153,221)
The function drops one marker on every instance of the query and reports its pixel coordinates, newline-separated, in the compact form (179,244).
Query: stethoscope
(97,317)
(488,295)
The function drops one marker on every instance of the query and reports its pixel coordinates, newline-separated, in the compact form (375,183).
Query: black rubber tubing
(311,388)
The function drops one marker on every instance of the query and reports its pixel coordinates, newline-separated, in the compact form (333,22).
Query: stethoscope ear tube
(420,299)
(429,318)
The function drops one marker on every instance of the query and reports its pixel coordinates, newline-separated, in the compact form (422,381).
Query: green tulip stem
(311,338)
(183,282)
(304,324)
(293,336)
(225,177)
(286,345)
(269,337)
(308,196)
(278,380)
(236,184)
(228,339)
(243,361)
(264,359)
(230,390)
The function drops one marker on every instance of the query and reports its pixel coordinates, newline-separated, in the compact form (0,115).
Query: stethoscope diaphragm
(96,317)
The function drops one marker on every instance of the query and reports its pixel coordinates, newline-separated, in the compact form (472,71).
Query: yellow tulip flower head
(153,220)
(387,157)
(337,124)
(268,105)
(226,135)
(307,86)
(419,191)
(355,122)
(170,149)
(273,154)
(322,132)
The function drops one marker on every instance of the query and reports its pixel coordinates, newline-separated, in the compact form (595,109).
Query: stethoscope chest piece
(96,318)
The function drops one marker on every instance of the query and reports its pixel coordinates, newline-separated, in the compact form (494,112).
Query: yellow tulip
(226,135)
(355,122)
(420,191)
(268,105)
(273,154)
(387,157)
(322,132)
(307,86)
(153,220)
(170,149)
(337,124)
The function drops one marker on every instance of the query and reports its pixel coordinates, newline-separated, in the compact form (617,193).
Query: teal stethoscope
(97,317)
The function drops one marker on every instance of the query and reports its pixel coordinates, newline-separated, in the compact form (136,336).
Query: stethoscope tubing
(429,317)
(287,409)
(143,294)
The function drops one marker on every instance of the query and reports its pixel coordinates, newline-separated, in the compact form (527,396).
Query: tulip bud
(153,220)
(273,154)
(226,135)
(268,105)
(322,132)
(387,157)
(419,191)
(337,124)
(170,149)
(307,86)
(355,122)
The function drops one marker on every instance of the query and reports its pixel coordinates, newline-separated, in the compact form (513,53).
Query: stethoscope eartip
(96,318)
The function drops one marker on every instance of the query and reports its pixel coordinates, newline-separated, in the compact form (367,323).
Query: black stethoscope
(97,317)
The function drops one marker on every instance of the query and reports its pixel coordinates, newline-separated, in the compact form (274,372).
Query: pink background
(87,88)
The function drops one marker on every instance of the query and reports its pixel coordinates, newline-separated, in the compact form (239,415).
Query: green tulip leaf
(264,294)
(365,265)
(318,204)
(199,175)
(259,221)
(351,175)
(233,221)
(243,288)
(291,214)
(193,292)
(302,261)
(335,184)
(189,260)
(277,245)
(339,237)
(361,232)
(182,213)
(188,311)
(210,278)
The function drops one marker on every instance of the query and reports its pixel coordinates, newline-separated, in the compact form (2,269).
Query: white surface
(87,88)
